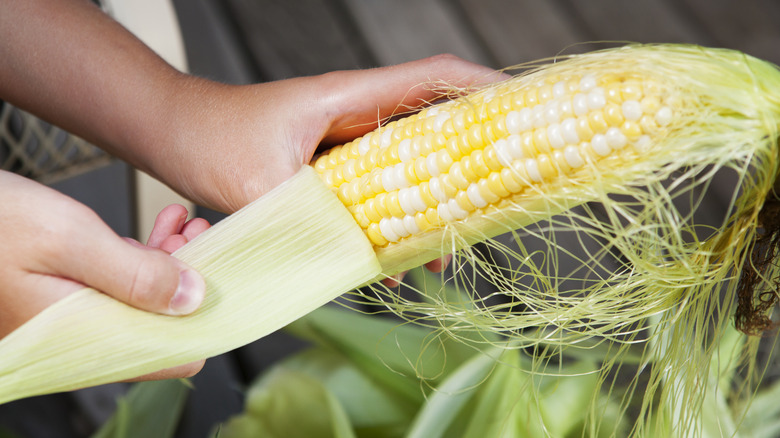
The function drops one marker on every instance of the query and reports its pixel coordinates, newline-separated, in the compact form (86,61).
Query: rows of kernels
(451,160)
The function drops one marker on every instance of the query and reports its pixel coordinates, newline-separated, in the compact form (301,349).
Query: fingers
(434,266)
(395,280)
(439,264)
(179,372)
(168,222)
(145,278)
(90,253)
(368,96)
(171,229)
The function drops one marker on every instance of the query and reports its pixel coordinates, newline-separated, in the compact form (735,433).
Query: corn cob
(465,161)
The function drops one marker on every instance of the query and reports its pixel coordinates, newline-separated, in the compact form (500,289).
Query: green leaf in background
(505,405)
(373,410)
(572,391)
(444,288)
(445,403)
(762,419)
(402,357)
(289,404)
(5,433)
(150,409)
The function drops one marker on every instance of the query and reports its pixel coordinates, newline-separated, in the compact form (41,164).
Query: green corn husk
(264,266)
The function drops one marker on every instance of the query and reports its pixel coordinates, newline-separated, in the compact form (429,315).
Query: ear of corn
(465,162)
(633,137)
(647,123)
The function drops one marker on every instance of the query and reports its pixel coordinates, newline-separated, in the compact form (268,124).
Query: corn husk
(264,266)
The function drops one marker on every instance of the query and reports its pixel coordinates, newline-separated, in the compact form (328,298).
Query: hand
(246,140)
(54,246)
(224,146)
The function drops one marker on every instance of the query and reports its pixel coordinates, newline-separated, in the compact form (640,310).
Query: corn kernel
(433,217)
(426,195)
(631,90)
(375,236)
(559,157)
(491,158)
(487,194)
(597,122)
(459,122)
(452,147)
(464,202)
(358,212)
(496,185)
(421,169)
(444,160)
(514,178)
(545,166)
(530,98)
(540,140)
(380,204)
(467,166)
(457,176)
(631,130)
(321,164)
(422,222)
(369,209)
(393,205)
(545,93)
(343,195)
(448,186)
(478,164)
(410,175)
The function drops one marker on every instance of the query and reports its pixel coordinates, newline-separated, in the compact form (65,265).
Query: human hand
(54,246)
(237,143)
(224,146)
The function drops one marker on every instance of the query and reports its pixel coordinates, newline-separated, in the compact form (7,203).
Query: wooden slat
(644,21)
(295,38)
(750,26)
(214,49)
(523,31)
(404,30)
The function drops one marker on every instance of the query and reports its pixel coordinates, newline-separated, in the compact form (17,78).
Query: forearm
(69,63)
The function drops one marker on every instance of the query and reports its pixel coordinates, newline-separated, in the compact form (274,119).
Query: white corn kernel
(599,144)
(405,150)
(437,191)
(405,199)
(475,197)
(573,157)
(411,225)
(387,230)
(554,136)
(632,110)
(615,138)
(569,131)
(664,116)
(532,168)
(456,211)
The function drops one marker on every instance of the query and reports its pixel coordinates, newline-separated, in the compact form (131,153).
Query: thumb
(147,278)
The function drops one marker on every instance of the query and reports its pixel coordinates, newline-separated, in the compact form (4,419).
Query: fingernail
(189,294)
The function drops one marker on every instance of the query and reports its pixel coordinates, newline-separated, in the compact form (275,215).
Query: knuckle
(149,286)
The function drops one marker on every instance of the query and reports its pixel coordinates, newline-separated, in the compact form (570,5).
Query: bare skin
(219,145)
